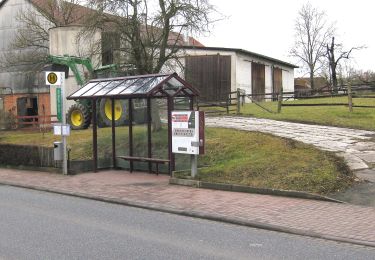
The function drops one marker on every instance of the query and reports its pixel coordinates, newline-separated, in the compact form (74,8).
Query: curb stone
(247,189)
(195,214)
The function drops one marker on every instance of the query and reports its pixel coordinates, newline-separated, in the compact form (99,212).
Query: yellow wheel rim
(76,117)
(108,109)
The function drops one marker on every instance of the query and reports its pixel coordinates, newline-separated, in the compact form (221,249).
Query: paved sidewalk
(356,146)
(340,222)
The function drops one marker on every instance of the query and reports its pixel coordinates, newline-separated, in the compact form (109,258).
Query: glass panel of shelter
(108,88)
(150,85)
(172,86)
(84,89)
(95,89)
(140,82)
(175,83)
(121,87)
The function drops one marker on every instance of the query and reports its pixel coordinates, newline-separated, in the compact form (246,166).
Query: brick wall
(10,102)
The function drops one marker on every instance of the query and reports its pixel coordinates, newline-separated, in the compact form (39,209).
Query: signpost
(188,135)
(58,104)
(57,79)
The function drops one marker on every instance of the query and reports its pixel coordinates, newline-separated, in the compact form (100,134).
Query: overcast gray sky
(267,26)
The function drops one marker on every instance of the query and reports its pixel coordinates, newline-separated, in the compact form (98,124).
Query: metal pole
(193,157)
(64,141)
(149,140)
(191,105)
(170,154)
(130,133)
(113,133)
(94,136)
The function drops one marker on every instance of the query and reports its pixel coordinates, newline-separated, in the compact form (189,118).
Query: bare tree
(335,53)
(311,35)
(150,32)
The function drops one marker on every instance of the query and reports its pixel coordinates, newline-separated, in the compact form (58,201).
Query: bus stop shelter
(167,86)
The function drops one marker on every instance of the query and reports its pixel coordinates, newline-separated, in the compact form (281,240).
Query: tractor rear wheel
(79,117)
(120,115)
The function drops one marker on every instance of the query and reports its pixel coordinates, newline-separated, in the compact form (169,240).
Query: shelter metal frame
(150,86)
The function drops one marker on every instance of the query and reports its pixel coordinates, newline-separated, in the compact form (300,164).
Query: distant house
(304,83)
(216,71)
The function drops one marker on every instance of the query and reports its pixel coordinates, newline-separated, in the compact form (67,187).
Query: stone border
(247,189)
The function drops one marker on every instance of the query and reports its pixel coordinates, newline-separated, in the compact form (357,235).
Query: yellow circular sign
(52,78)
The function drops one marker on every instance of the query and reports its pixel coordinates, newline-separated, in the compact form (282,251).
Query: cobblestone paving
(315,218)
(356,146)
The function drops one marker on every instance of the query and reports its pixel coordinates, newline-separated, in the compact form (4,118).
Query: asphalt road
(40,225)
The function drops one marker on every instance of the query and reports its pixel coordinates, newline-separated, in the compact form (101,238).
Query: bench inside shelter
(144,159)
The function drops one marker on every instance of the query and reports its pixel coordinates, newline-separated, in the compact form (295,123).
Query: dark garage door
(258,85)
(278,80)
(211,75)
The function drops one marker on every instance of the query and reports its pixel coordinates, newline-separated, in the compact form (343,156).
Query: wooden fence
(231,105)
(34,122)
(345,91)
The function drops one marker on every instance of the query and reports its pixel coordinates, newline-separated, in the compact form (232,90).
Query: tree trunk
(334,79)
(156,121)
(312,84)
(332,64)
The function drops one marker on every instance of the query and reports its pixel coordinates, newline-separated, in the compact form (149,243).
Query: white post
(63,115)
(194,165)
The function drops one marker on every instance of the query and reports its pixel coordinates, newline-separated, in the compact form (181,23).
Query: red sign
(180,118)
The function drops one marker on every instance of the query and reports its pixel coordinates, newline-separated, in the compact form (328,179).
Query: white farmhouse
(216,71)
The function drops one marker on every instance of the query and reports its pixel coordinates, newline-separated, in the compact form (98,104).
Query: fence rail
(35,122)
(352,92)
(230,105)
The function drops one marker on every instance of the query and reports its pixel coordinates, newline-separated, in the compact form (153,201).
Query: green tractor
(79,115)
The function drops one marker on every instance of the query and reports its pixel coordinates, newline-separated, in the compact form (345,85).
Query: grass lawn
(232,156)
(361,118)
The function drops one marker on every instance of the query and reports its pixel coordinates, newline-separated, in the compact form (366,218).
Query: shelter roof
(144,86)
